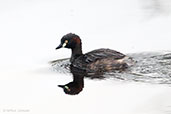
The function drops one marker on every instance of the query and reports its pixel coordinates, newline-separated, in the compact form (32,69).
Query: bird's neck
(76,52)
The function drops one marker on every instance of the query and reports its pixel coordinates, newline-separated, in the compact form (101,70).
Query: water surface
(149,67)
(30,31)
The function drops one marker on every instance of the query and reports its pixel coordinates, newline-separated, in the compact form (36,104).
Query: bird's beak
(60,46)
(64,87)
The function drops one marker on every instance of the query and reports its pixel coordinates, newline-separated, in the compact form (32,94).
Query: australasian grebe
(100,60)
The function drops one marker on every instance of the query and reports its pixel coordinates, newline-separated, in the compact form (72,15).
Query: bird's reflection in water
(77,85)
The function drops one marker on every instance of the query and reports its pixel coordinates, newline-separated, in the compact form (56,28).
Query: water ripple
(149,68)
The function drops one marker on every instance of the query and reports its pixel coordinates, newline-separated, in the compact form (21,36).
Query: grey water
(149,67)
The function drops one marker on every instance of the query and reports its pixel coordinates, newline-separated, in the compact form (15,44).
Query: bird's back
(99,60)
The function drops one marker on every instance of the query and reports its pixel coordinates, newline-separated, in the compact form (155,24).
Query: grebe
(99,60)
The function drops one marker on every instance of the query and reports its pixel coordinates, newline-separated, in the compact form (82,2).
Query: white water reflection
(30,31)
